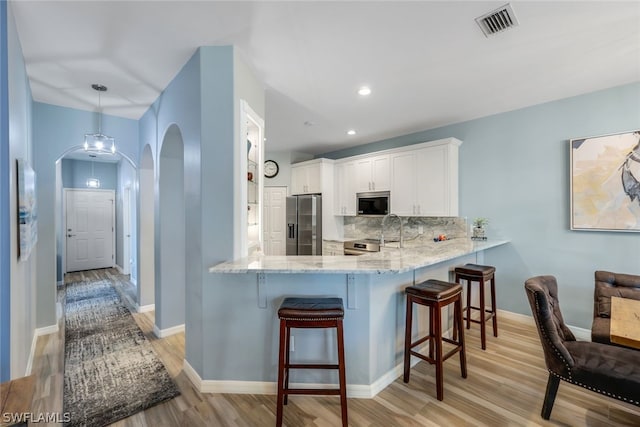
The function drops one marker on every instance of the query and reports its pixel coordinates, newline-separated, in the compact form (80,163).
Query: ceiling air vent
(498,20)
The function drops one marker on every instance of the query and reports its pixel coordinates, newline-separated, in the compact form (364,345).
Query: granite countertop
(388,260)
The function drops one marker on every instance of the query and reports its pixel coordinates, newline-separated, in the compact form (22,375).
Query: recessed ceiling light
(364,91)
(351,132)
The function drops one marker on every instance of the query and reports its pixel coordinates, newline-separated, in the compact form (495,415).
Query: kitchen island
(240,322)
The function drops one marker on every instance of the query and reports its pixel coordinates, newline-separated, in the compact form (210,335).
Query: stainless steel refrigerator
(304,225)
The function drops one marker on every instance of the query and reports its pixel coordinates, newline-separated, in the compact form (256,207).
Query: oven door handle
(354,252)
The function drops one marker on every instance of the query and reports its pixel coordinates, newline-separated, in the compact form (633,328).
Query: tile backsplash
(417,230)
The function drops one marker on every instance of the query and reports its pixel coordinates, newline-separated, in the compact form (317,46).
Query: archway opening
(170,259)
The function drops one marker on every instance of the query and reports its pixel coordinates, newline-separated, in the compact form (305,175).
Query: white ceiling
(427,62)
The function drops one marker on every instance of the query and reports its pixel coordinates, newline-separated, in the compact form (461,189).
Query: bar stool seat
(310,313)
(479,273)
(435,294)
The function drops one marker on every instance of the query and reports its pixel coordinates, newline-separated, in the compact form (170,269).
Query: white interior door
(89,229)
(275,199)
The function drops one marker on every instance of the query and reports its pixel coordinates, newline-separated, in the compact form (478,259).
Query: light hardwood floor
(505,387)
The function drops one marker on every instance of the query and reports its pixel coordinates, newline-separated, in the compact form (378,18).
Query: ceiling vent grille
(498,20)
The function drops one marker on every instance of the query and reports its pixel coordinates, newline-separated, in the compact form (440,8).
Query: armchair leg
(550,396)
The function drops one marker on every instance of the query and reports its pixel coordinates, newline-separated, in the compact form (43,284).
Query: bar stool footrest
(313,391)
(310,366)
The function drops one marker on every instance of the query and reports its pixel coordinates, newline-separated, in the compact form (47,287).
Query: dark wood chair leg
(550,396)
(463,356)
(431,331)
(281,370)
(287,353)
(483,325)
(342,375)
(468,284)
(438,356)
(493,306)
(407,340)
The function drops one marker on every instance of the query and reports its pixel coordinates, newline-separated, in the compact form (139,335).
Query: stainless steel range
(361,247)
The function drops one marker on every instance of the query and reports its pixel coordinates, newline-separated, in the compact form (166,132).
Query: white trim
(163,333)
(581,334)
(51,329)
(146,308)
(32,354)
(359,391)
(120,270)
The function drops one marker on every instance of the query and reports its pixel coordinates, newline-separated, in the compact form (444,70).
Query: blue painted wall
(5,229)
(179,105)
(76,172)
(514,169)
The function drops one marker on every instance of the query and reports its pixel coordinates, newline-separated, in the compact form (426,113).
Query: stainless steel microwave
(373,204)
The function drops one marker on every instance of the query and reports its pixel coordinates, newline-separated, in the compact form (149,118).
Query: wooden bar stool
(310,313)
(435,294)
(481,274)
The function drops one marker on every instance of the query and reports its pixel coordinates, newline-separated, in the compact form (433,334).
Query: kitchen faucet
(382,229)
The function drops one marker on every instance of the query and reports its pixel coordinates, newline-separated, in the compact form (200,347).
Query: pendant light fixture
(98,141)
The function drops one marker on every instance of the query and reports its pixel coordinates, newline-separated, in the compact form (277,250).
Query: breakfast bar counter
(390,260)
(239,329)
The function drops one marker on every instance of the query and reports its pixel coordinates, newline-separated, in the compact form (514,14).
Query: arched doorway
(170,260)
(125,170)
(146,253)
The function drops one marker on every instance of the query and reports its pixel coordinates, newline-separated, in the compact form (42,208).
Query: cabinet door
(344,188)
(298,178)
(363,176)
(313,179)
(432,193)
(403,184)
(380,173)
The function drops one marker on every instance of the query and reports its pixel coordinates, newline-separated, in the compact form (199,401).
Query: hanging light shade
(98,141)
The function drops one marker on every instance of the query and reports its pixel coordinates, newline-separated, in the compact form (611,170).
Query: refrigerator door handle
(292,230)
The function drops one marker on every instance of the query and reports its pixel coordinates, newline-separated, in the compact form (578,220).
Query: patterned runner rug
(111,370)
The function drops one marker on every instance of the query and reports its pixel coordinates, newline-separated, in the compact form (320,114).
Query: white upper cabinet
(403,187)
(345,179)
(373,174)
(306,178)
(425,180)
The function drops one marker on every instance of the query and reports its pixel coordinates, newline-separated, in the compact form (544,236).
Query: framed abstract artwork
(27,210)
(605,182)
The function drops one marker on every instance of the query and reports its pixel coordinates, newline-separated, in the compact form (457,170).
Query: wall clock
(270,168)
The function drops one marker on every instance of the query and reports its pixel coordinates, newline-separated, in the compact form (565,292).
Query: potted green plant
(479,225)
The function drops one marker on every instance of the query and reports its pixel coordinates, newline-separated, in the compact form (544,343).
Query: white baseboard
(581,334)
(358,391)
(51,329)
(163,333)
(361,391)
(145,308)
